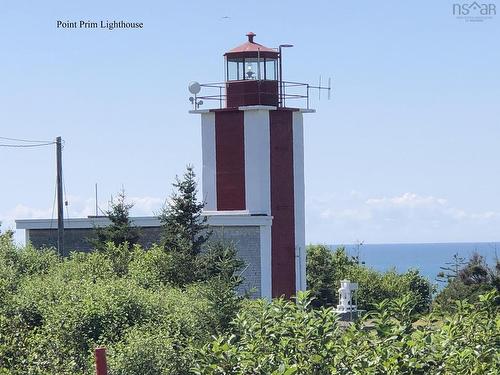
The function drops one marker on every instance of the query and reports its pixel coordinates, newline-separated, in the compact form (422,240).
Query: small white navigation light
(347,307)
(194,87)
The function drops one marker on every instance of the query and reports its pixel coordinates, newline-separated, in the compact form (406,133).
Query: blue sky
(405,151)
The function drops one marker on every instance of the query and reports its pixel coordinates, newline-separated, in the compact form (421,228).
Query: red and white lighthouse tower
(253,160)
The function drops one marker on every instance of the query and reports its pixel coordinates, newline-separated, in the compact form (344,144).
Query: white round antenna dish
(194,87)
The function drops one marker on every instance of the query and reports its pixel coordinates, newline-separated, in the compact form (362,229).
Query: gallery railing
(213,95)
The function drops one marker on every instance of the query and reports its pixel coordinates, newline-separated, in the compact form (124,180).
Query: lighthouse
(253,159)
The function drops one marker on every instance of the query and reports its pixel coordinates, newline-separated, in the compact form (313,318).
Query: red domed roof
(252,49)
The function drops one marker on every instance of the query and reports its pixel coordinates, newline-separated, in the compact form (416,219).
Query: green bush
(468,282)
(374,287)
(150,350)
(55,311)
(326,268)
(283,337)
(273,338)
(151,268)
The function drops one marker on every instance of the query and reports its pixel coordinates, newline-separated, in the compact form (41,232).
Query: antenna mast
(96,204)
(320,87)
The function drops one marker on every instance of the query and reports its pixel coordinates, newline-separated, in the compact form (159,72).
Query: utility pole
(60,211)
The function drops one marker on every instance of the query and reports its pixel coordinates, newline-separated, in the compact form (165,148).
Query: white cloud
(20,211)
(456,213)
(415,206)
(146,205)
(407,200)
(77,207)
(485,215)
(406,217)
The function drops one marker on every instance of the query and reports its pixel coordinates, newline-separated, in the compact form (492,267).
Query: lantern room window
(271,68)
(251,69)
(235,70)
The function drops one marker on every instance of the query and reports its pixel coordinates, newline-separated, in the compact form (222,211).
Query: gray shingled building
(245,231)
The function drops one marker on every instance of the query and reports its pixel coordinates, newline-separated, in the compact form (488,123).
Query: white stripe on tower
(209,167)
(258,185)
(299,201)
(257,161)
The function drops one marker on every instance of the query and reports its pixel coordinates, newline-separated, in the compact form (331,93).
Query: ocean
(426,257)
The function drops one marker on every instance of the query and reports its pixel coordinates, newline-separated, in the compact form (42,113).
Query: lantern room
(251,73)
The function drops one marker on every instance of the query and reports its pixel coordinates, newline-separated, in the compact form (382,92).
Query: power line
(23,140)
(23,146)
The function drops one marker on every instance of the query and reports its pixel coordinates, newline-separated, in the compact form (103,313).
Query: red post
(101,368)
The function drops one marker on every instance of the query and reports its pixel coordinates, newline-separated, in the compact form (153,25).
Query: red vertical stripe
(282,203)
(230,160)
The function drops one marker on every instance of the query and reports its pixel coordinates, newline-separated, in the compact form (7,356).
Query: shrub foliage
(325,269)
(54,311)
(285,337)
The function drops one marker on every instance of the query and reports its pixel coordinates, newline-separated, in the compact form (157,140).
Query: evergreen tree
(475,272)
(8,235)
(220,262)
(184,229)
(120,230)
(469,281)
(451,270)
